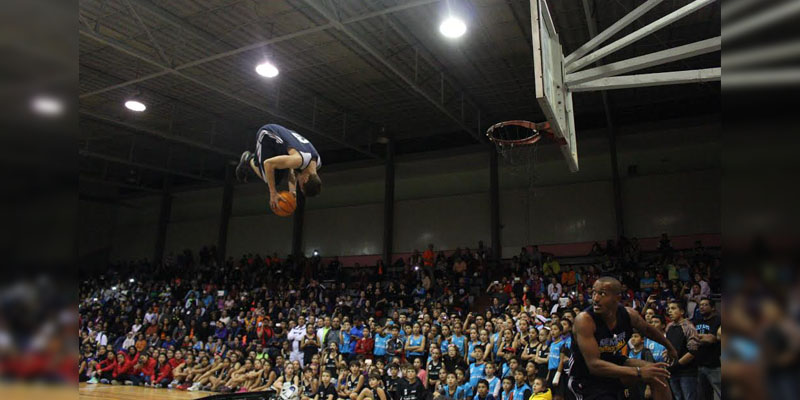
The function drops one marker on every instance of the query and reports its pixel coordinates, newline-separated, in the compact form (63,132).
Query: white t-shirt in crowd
(101,339)
(554,291)
(296,335)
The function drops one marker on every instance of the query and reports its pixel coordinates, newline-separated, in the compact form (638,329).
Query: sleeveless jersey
(414,341)
(275,140)
(613,346)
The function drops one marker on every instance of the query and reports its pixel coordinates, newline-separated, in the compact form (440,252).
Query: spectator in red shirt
(132,356)
(365,345)
(164,370)
(428,257)
(105,368)
(144,370)
(177,360)
(123,370)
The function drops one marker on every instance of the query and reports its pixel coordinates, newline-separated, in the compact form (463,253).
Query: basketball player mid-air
(599,368)
(282,153)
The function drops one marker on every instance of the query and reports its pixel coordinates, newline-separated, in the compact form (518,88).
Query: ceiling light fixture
(267,69)
(135,105)
(453,27)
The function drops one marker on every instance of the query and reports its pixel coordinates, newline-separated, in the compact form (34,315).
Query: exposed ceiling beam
(331,18)
(160,134)
(89,179)
(208,38)
(150,36)
(169,171)
(177,22)
(259,106)
(411,38)
(180,104)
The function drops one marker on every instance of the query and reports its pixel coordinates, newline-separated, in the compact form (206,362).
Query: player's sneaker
(243,170)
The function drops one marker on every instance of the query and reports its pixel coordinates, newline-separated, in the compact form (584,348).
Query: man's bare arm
(292,182)
(291,161)
(707,338)
(584,333)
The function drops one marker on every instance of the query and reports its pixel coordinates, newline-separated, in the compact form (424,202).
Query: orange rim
(533,138)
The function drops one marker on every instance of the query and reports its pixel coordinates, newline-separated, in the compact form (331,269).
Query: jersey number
(299,138)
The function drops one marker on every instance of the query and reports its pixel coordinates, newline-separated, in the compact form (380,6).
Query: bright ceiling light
(135,105)
(47,105)
(267,69)
(453,27)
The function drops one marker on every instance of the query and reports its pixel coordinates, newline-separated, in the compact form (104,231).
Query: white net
(517,161)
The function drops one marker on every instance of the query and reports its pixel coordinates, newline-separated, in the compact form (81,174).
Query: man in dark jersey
(599,368)
(282,153)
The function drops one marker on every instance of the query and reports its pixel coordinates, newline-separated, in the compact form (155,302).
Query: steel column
(163,222)
(388,205)
(225,216)
(494,203)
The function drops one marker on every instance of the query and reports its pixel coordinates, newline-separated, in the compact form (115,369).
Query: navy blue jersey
(613,346)
(275,140)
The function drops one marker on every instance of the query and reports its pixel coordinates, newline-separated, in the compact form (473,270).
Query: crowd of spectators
(449,326)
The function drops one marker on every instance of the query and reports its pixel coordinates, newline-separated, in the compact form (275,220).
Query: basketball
(286,204)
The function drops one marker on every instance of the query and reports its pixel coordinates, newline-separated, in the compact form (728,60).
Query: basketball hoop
(516,141)
(516,132)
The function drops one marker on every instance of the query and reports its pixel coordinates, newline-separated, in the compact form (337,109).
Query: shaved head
(606,295)
(612,284)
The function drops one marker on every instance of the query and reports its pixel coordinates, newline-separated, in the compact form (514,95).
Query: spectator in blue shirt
(458,339)
(657,350)
(646,283)
(521,389)
(477,370)
(463,382)
(356,332)
(381,340)
(482,392)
